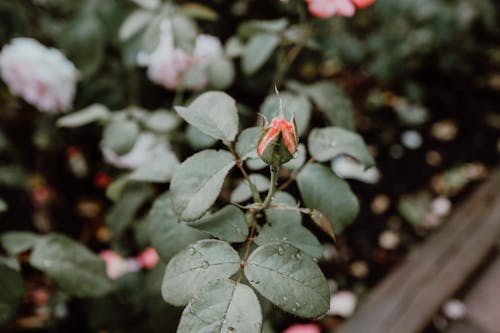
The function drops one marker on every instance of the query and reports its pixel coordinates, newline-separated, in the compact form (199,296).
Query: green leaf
(17,242)
(168,236)
(198,11)
(298,160)
(135,22)
(293,104)
(327,143)
(90,114)
(11,292)
(197,183)
(331,99)
(214,113)
(159,170)
(321,189)
(243,192)
(3,206)
(204,261)
(161,121)
(84,43)
(227,224)
(115,189)
(279,214)
(120,136)
(222,306)
(293,233)
(78,271)
(252,27)
(258,50)
(289,279)
(246,144)
(221,73)
(197,139)
(122,214)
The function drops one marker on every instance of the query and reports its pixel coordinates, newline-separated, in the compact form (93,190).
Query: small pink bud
(278,141)
(303,328)
(148,258)
(363,3)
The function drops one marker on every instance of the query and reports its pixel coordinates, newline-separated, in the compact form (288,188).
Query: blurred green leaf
(195,266)
(122,214)
(221,73)
(76,270)
(327,143)
(120,136)
(159,170)
(257,51)
(17,242)
(242,192)
(331,99)
(12,286)
(246,144)
(166,234)
(90,114)
(83,41)
(321,189)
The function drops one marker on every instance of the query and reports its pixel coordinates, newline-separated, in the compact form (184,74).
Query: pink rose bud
(363,3)
(278,140)
(148,258)
(303,328)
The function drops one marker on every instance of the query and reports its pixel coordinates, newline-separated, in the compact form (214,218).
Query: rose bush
(209,207)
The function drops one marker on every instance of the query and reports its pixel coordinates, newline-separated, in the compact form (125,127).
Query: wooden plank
(407,299)
(464,327)
(483,300)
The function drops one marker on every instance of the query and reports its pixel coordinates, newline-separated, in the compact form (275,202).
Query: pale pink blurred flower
(329,8)
(42,76)
(166,64)
(146,148)
(303,328)
(148,258)
(116,265)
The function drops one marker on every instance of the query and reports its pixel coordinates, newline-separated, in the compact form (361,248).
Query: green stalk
(274,185)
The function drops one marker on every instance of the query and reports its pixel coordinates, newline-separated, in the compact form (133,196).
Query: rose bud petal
(278,140)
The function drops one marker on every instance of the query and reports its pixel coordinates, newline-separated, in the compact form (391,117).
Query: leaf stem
(253,228)
(274,185)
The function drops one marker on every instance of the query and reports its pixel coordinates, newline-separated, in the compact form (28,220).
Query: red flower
(363,3)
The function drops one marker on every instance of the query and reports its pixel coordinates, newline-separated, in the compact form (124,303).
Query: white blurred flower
(207,48)
(343,303)
(42,76)
(146,148)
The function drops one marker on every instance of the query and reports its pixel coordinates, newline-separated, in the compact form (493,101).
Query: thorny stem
(274,185)
(253,188)
(253,228)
